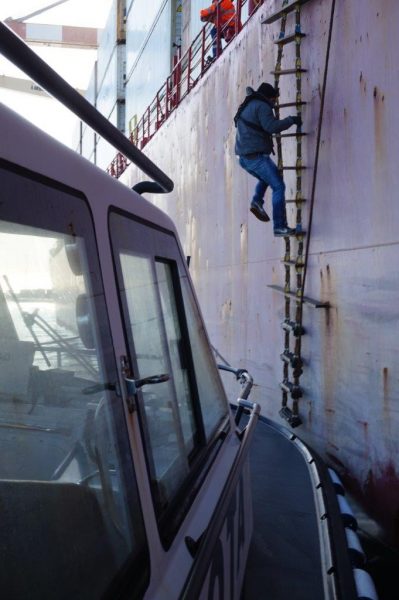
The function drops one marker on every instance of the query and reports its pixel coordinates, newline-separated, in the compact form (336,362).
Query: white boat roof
(27,146)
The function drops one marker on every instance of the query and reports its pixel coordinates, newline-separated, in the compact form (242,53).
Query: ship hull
(350,381)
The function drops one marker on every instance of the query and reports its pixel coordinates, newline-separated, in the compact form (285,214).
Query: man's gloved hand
(296,121)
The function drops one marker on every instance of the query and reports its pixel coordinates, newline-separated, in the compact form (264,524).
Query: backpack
(252,96)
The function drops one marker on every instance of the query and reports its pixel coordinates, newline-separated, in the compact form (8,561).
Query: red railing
(186,73)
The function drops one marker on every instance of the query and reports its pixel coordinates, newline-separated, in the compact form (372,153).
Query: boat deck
(307,543)
(284,557)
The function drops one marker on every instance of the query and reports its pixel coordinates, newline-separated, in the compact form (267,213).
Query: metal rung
(291,388)
(283,11)
(288,71)
(296,200)
(305,299)
(297,134)
(287,104)
(288,39)
(287,414)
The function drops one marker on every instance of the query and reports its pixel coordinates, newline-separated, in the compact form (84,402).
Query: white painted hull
(350,380)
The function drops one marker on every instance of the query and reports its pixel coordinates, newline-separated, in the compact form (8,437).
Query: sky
(74,65)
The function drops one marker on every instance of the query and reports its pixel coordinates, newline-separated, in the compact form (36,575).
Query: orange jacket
(226,12)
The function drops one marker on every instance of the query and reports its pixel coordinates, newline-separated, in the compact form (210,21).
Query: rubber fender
(339,488)
(356,553)
(364,585)
(346,512)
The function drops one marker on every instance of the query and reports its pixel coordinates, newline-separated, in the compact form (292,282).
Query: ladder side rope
(294,359)
(287,282)
(289,358)
(316,162)
(297,367)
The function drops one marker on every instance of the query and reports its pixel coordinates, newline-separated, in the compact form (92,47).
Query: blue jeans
(265,170)
(214,42)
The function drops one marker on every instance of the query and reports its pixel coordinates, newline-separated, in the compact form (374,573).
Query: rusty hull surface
(350,406)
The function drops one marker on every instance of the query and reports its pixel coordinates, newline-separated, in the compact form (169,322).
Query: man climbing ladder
(256,122)
(296,254)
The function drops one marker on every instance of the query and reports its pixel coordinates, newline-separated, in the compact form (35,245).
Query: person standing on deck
(256,122)
(226,24)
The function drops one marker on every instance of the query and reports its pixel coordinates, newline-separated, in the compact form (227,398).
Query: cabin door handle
(132,385)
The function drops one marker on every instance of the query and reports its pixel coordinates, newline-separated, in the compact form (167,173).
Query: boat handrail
(203,548)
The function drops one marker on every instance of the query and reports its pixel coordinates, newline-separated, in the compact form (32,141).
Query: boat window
(168,405)
(71,520)
(212,400)
(166,335)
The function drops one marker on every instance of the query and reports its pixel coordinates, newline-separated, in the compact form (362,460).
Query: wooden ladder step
(299,264)
(288,71)
(299,168)
(292,359)
(297,233)
(288,39)
(293,327)
(296,134)
(287,104)
(292,419)
(284,10)
(305,299)
(290,388)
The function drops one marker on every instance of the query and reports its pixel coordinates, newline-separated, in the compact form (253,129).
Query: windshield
(71,519)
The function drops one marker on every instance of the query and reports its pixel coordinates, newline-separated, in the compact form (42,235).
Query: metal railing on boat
(202,549)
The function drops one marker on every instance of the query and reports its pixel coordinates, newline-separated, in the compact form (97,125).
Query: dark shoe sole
(261,215)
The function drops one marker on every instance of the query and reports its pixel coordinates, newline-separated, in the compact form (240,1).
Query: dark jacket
(259,113)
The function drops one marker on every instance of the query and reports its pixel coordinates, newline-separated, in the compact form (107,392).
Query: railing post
(158,111)
(167,96)
(174,79)
(177,84)
(218,26)
(180,82)
(135,136)
(238,25)
(189,69)
(203,38)
(180,73)
(252,5)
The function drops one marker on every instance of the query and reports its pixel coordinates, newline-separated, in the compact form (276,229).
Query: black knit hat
(267,90)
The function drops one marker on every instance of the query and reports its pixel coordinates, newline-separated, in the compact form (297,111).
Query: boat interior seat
(54,542)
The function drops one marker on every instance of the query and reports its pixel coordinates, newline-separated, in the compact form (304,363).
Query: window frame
(186,348)
(201,460)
